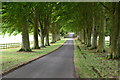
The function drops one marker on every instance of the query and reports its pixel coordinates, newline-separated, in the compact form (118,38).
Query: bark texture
(25,38)
(101,42)
(54,32)
(89,37)
(42,30)
(53,37)
(94,31)
(115,33)
(118,41)
(47,31)
(36,46)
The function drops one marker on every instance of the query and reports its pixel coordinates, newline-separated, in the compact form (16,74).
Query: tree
(47,30)
(115,31)
(36,46)
(13,16)
(113,10)
(94,29)
(101,41)
(118,39)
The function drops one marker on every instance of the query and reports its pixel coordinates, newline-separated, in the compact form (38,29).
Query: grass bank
(89,64)
(11,58)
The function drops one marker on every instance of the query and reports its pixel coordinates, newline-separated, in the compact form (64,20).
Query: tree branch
(105,6)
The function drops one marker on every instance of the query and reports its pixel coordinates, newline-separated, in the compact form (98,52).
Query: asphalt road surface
(58,64)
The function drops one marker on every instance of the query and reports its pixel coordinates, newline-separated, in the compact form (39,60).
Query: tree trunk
(42,29)
(94,39)
(47,31)
(118,40)
(115,36)
(53,38)
(118,44)
(47,39)
(85,41)
(101,45)
(42,40)
(82,36)
(88,37)
(58,36)
(25,38)
(94,30)
(54,33)
(36,46)
(79,35)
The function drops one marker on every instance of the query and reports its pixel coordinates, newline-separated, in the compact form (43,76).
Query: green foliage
(13,16)
(71,16)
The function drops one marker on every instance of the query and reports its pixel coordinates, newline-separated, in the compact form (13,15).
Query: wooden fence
(12,45)
(9,45)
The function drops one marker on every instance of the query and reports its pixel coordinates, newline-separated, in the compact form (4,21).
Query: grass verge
(89,64)
(11,58)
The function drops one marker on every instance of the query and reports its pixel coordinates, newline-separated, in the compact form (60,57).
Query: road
(58,64)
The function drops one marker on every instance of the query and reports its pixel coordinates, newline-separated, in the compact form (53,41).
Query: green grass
(90,64)
(11,58)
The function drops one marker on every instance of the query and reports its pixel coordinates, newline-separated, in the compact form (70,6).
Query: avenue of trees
(88,20)
(26,18)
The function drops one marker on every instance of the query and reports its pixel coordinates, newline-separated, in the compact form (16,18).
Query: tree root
(25,50)
(78,47)
(101,51)
(53,42)
(43,46)
(92,48)
(36,48)
(47,45)
(112,56)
